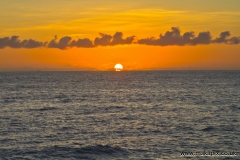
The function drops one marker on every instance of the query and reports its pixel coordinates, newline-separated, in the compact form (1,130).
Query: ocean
(120,115)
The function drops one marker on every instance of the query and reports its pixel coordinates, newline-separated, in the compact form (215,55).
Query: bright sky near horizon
(95,35)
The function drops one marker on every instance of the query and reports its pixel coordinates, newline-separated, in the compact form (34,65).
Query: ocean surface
(120,115)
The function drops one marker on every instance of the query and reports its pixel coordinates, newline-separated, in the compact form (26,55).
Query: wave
(9,100)
(209,128)
(61,152)
(43,109)
(222,128)
(96,149)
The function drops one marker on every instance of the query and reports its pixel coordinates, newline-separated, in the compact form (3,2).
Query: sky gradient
(141,35)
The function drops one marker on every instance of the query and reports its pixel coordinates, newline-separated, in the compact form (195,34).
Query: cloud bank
(169,38)
(66,42)
(116,39)
(15,42)
(174,37)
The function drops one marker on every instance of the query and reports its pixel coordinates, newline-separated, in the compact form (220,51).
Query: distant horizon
(112,70)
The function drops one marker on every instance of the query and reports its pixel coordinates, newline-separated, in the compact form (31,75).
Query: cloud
(116,39)
(224,38)
(174,37)
(202,38)
(169,38)
(104,40)
(65,42)
(86,43)
(234,40)
(14,42)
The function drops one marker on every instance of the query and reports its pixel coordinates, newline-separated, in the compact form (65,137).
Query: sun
(118,67)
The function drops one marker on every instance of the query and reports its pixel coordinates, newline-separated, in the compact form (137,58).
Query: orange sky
(142,19)
(137,57)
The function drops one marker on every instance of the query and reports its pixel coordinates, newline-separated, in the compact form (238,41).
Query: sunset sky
(140,34)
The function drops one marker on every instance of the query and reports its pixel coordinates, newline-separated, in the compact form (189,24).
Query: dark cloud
(224,38)
(172,37)
(202,38)
(234,40)
(14,42)
(104,40)
(87,43)
(116,39)
(63,43)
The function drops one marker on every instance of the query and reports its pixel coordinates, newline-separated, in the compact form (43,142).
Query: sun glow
(118,67)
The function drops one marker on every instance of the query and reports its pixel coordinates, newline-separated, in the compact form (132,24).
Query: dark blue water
(119,115)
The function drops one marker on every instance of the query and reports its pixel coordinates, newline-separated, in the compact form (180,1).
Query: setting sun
(118,67)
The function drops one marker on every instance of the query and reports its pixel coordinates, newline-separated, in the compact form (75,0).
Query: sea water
(120,115)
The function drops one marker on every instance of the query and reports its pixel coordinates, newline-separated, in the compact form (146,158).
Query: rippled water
(119,115)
